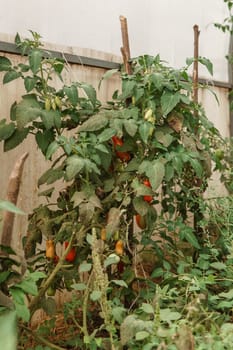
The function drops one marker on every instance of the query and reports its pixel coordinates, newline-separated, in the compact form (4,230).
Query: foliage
(149,152)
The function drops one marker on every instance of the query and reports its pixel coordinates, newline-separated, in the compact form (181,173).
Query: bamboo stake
(12,196)
(125,49)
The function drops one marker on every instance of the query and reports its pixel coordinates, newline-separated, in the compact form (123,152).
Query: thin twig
(41,339)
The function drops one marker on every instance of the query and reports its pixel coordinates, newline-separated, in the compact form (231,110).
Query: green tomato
(219,153)
(51,291)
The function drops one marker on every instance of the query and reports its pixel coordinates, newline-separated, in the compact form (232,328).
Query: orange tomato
(119,247)
(70,257)
(50,249)
(141,221)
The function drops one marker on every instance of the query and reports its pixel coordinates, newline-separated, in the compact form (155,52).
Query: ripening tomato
(117,141)
(141,221)
(50,249)
(119,247)
(103,234)
(124,156)
(70,257)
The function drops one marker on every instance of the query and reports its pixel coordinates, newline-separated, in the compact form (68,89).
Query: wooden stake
(125,49)
(12,196)
(195,63)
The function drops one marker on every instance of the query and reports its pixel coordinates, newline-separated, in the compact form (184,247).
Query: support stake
(125,49)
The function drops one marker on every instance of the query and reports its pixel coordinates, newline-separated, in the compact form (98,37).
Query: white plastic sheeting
(155,26)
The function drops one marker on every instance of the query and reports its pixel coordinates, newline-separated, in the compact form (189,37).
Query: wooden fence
(35,164)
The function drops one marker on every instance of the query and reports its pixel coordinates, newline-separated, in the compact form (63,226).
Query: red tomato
(124,156)
(120,267)
(141,221)
(147,198)
(70,257)
(117,141)
(56,259)
(147,183)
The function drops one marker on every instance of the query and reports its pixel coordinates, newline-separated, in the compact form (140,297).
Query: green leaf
(111,259)
(95,295)
(157,79)
(37,275)
(118,313)
(74,165)
(6,130)
(8,330)
(17,294)
(120,283)
(207,63)
(50,176)
(127,89)
(51,119)
(228,295)
(35,59)
(141,335)
(13,111)
(196,166)
(72,94)
(94,123)
(147,308)
(8,206)
(79,286)
(43,139)
(27,110)
(29,83)
(191,238)
(145,130)
(167,315)
(108,75)
(5,64)
(16,138)
(130,127)
(106,135)
(218,265)
(169,100)
(11,75)
(4,276)
(53,147)
(22,312)
(90,92)
(164,138)
(85,267)
(156,174)
(28,286)
(140,206)
(46,193)
(78,197)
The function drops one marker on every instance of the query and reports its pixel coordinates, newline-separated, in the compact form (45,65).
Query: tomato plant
(147,155)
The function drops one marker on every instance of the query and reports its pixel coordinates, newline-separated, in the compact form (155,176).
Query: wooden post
(125,49)
(195,63)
